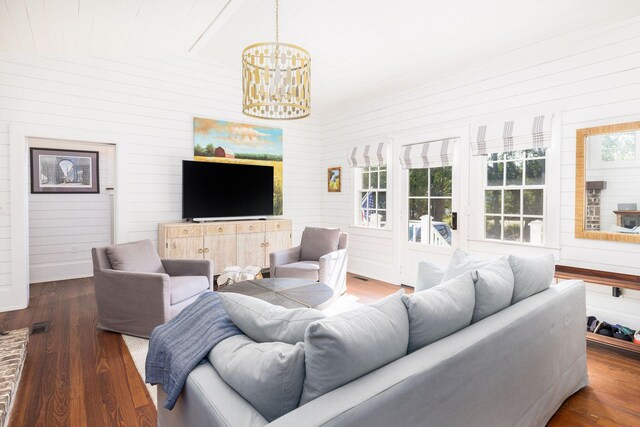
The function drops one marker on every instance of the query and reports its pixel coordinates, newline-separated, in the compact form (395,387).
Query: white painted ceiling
(361,49)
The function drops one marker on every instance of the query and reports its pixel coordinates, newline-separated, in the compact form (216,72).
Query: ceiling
(360,49)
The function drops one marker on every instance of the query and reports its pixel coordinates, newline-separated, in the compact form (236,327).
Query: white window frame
(357,190)
(522,187)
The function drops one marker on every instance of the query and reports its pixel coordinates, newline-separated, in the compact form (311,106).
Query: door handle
(454,220)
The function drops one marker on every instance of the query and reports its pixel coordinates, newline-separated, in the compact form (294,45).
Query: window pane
(533,202)
(373,180)
(512,228)
(382,200)
(367,200)
(415,232)
(538,152)
(495,172)
(492,157)
(513,155)
(441,210)
(418,182)
(418,208)
(365,180)
(492,227)
(440,181)
(620,146)
(383,218)
(512,202)
(514,173)
(372,218)
(532,231)
(535,172)
(383,179)
(493,201)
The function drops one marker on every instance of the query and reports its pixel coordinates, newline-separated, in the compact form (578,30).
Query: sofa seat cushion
(184,287)
(317,242)
(267,375)
(300,270)
(494,288)
(440,311)
(341,348)
(137,257)
(531,275)
(265,322)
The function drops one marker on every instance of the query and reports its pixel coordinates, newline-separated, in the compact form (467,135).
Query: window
(430,206)
(514,196)
(372,197)
(619,147)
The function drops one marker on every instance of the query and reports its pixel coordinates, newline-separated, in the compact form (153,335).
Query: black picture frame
(64,171)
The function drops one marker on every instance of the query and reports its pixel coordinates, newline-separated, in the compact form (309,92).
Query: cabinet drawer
(215,229)
(251,227)
(278,225)
(184,231)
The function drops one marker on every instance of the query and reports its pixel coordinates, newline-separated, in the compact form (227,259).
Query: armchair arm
(333,270)
(286,256)
(132,303)
(189,267)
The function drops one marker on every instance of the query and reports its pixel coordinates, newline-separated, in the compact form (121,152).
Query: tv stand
(226,243)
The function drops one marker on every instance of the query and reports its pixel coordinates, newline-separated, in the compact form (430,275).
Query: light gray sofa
(321,256)
(513,368)
(150,293)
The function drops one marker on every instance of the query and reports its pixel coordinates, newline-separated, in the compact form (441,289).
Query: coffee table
(285,292)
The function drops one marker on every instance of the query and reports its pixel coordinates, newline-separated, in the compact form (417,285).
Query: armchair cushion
(185,287)
(317,242)
(300,270)
(138,257)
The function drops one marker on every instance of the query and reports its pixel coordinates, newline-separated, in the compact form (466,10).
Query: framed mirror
(608,183)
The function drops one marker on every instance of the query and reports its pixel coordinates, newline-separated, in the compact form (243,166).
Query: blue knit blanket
(179,345)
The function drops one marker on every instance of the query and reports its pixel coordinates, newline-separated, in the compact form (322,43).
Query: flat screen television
(224,190)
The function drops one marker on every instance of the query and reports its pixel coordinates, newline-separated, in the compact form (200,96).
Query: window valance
(368,155)
(513,135)
(433,154)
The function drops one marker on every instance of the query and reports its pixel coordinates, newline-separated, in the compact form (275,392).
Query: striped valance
(513,135)
(432,154)
(368,155)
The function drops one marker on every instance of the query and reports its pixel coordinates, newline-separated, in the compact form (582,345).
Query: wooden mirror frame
(581,137)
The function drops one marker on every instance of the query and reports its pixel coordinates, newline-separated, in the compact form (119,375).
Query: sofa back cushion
(265,322)
(317,242)
(429,275)
(137,257)
(267,375)
(440,311)
(461,263)
(494,288)
(531,275)
(346,346)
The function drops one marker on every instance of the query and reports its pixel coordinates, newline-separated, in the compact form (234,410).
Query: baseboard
(54,272)
(373,270)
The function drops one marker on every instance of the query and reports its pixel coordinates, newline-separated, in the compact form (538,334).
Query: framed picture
(64,171)
(334,176)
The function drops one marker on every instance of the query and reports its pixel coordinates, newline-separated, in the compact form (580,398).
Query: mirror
(608,183)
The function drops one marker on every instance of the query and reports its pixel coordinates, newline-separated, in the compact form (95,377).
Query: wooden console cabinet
(226,243)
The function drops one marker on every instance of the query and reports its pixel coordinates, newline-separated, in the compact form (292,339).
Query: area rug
(138,347)
(13,352)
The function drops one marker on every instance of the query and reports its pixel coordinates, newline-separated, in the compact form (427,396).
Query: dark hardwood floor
(75,375)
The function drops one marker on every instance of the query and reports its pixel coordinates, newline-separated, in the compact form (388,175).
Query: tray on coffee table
(285,292)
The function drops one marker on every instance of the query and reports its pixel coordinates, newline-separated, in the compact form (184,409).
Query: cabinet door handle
(220,229)
(278,226)
(267,244)
(262,245)
(251,227)
(206,250)
(185,231)
(200,250)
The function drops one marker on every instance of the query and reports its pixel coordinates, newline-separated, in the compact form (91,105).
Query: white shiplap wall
(149,104)
(589,77)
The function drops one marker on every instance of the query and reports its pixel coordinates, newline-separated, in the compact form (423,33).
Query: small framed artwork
(64,171)
(334,179)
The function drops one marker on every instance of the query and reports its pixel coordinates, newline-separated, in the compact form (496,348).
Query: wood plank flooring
(75,375)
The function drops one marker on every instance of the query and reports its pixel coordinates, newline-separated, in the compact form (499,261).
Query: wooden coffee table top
(285,292)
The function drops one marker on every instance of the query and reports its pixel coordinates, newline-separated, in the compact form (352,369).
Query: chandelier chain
(277,24)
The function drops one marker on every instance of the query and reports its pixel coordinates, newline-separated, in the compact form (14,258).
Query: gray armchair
(321,256)
(137,291)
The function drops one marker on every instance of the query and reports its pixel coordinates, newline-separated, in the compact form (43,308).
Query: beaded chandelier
(276,80)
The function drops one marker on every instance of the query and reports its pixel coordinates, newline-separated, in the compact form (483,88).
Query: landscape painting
(231,142)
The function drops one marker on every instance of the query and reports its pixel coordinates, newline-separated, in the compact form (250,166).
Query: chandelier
(276,80)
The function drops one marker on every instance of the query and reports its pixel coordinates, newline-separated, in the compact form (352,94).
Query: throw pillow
(531,275)
(346,346)
(265,322)
(494,289)
(440,311)
(137,257)
(317,242)
(462,263)
(267,375)
(429,275)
